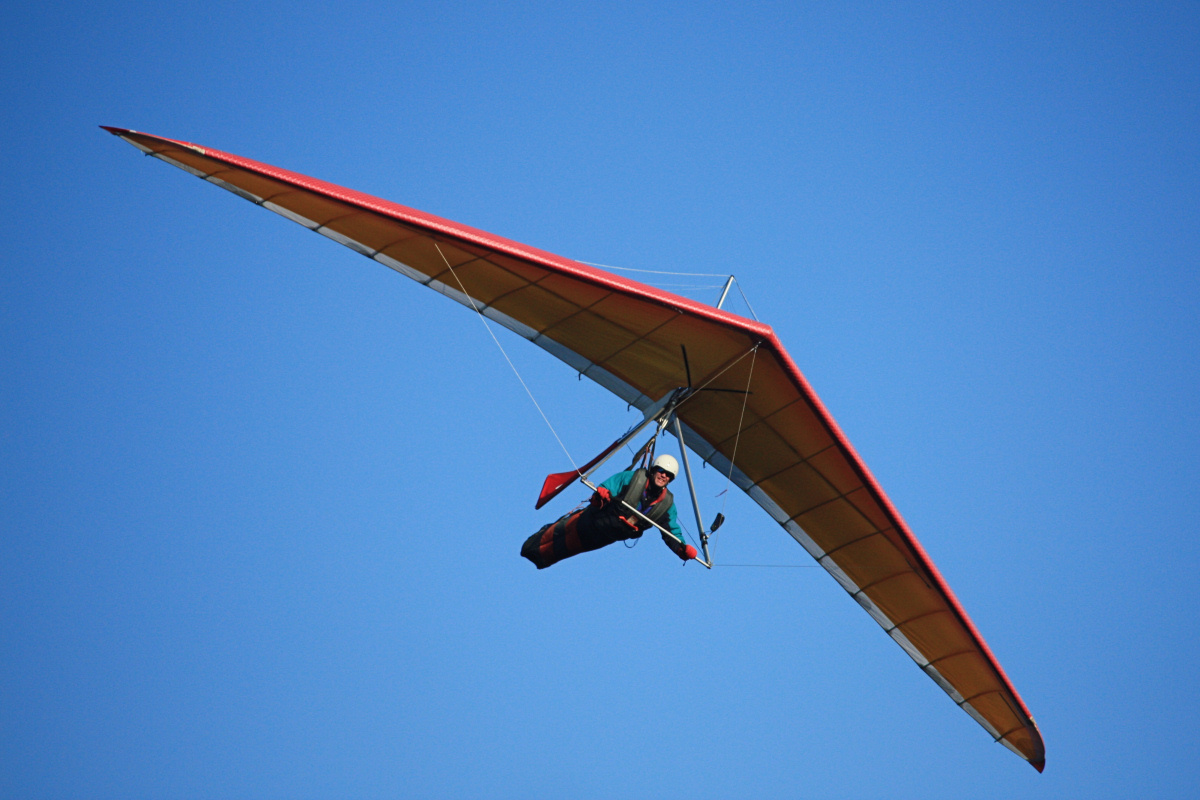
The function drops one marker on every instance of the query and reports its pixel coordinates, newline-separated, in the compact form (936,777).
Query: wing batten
(287,213)
(874,611)
(562,305)
(866,587)
(180,164)
(945,686)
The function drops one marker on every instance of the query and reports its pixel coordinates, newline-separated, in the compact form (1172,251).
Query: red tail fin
(560,480)
(554,484)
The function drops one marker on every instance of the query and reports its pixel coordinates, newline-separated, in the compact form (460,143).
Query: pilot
(608,518)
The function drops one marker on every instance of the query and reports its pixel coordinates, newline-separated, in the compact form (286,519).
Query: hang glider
(791,458)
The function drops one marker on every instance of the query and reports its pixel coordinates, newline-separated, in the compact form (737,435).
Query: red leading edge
(300,198)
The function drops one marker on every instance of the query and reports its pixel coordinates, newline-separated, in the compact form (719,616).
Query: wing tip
(1035,753)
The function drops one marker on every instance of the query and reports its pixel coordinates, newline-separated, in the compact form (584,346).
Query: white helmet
(667,464)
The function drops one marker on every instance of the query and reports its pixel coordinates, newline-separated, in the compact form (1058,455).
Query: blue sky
(263,498)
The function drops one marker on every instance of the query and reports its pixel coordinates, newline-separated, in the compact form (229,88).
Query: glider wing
(791,457)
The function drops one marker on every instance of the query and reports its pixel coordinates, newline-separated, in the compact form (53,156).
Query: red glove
(602,497)
(684,551)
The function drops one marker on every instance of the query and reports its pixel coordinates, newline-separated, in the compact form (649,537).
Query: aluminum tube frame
(662,413)
(725,291)
(653,414)
(687,470)
(664,531)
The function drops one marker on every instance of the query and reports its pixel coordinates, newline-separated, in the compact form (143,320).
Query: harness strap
(633,496)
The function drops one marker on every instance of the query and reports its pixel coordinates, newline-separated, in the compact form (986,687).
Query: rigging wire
(736,283)
(657,271)
(753,352)
(703,386)
(690,285)
(516,372)
(745,299)
(773,566)
(741,419)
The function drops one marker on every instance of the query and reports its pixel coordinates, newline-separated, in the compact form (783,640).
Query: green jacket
(617,484)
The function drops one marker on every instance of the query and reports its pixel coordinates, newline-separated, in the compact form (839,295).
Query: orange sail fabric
(792,458)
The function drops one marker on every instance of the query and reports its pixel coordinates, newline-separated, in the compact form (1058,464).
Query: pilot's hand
(602,497)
